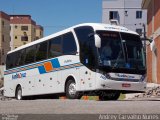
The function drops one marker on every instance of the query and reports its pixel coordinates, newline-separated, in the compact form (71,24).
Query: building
(16,30)
(4,40)
(153,26)
(127,13)
(4,36)
(39,32)
(24,30)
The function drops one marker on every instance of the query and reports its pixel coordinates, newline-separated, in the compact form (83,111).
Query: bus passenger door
(87,79)
(88,59)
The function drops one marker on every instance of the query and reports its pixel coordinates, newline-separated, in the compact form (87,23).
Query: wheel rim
(72,89)
(19,94)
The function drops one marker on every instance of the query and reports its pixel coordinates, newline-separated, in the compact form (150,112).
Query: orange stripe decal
(48,66)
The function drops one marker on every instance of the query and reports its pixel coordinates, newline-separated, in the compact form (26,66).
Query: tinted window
(41,53)
(69,45)
(30,54)
(83,33)
(13,60)
(10,62)
(87,46)
(55,47)
(21,57)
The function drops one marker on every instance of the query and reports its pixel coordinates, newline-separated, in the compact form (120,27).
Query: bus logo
(18,75)
(124,76)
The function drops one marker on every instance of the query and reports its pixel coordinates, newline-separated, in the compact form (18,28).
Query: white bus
(90,57)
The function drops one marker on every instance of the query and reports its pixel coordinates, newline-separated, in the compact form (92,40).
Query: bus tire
(70,90)
(19,93)
(109,95)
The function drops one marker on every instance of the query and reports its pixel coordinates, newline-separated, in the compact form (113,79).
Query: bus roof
(96,26)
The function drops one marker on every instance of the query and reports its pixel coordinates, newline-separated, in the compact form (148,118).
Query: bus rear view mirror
(97,41)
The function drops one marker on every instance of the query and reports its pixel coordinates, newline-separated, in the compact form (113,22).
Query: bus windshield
(121,50)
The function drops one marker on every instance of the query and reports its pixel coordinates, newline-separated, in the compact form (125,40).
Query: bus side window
(55,47)
(21,57)
(17,58)
(41,52)
(30,54)
(9,61)
(69,44)
(12,60)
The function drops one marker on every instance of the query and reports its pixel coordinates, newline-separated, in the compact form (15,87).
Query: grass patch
(90,98)
(122,97)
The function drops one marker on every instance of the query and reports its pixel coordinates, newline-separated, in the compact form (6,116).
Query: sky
(55,15)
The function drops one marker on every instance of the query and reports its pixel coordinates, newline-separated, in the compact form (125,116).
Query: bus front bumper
(121,85)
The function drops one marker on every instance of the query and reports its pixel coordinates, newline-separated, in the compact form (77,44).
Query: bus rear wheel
(19,93)
(109,95)
(71,91)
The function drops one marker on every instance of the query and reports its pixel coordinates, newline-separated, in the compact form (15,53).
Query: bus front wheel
(19,93)
(71,91)
(109,95)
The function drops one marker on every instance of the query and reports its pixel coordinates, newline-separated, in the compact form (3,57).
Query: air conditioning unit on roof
(114,22)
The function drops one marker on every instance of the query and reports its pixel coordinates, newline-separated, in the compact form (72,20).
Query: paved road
(49,106)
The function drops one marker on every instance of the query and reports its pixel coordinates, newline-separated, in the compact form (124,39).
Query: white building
(128,13)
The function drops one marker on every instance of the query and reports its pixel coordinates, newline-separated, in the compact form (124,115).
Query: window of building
(2,51)
(2,23)
(15,37)
(69,44)
(41,53)
(16,26)
(126,13)
(113,15)
(139,31)
(24,38)
(138,14)
(36,38)
(24,28)
(55,47)
(2,38)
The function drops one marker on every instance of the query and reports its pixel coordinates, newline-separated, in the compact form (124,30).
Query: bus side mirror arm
(146,39)
(97,41)
(152,43)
